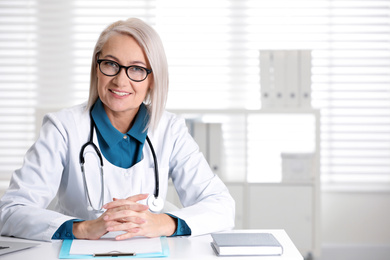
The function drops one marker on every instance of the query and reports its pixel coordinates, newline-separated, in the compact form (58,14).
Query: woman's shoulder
(77,111)
(169,119)
(69,117)
(171,124)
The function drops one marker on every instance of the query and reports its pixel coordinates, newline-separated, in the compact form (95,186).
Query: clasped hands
(129,216)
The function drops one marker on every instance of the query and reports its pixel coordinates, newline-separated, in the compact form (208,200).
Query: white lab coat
(51,169)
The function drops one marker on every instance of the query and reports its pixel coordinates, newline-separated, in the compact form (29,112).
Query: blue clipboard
(67,243)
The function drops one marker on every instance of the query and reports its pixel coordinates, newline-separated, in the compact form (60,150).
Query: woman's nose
(121,78)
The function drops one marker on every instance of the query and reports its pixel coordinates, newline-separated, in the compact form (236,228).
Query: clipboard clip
(113,254)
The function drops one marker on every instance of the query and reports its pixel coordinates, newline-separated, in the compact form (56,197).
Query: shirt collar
(110,134)
(139,130)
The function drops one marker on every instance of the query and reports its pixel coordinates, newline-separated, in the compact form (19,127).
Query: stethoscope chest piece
(155,204)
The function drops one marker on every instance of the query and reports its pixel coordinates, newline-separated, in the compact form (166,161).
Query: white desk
(180,248)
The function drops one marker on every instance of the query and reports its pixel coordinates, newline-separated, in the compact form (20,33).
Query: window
(213,54)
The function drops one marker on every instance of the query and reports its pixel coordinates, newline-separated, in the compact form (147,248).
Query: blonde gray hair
(152,45)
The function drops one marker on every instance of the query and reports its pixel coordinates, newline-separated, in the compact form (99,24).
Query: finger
(130,200)
(117,226)
(125,205)
(131,233)
(138,197)
(124,217)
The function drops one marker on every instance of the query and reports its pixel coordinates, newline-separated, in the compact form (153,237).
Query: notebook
(12,246)
(234,244)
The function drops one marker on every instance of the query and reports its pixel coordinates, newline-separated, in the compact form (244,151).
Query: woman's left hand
(123,216)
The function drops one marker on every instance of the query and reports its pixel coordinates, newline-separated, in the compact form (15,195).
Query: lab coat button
(125,172)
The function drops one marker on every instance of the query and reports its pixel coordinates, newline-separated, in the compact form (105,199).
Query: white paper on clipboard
(107,244)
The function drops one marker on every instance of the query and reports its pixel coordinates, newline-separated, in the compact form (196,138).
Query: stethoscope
(154,202)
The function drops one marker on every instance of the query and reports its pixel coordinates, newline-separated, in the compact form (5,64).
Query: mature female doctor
(125,129)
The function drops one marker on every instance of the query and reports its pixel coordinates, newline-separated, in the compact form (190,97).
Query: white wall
(355,225)
(355,217)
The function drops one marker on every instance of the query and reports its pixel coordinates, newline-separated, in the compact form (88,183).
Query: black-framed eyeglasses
(112,68)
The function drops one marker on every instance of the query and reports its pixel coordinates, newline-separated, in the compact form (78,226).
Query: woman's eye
(111,64)
(136,69)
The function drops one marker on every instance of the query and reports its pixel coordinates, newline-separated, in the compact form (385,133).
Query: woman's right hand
(90,229)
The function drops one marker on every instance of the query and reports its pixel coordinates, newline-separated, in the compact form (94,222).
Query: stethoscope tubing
(82,162)
(156,174)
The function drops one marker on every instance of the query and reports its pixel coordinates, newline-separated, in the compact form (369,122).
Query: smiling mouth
(120,93)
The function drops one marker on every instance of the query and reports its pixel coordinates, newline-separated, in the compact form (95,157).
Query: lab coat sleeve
(32,187)
(208,206)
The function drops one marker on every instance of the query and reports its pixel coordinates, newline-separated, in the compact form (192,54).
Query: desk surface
(180,248)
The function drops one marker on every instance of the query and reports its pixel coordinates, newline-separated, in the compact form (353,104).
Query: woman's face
(120,95)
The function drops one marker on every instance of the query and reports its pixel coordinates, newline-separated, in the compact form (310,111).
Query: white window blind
(213,55)
(18,77)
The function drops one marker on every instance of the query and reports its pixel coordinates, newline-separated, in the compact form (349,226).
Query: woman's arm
(207,204)
(23,210)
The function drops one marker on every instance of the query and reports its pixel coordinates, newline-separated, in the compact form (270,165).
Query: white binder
(285,78)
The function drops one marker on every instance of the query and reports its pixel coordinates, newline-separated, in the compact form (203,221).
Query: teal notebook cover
(67,243)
